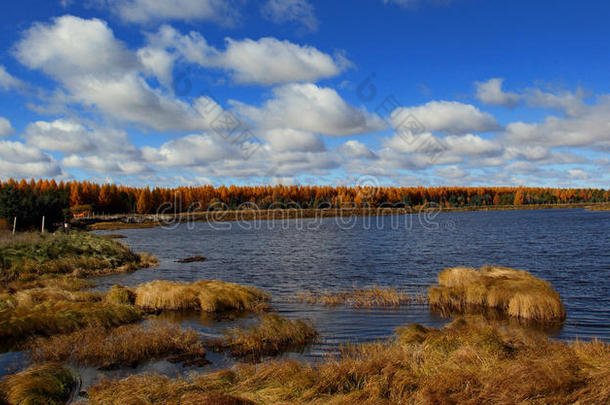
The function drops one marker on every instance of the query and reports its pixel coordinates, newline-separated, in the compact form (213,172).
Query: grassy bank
(373,297)
(601,207)
(514,292)
(135,221)
(31,259)
(43,278)
(470,361)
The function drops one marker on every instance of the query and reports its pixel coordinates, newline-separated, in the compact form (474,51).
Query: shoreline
(135,221)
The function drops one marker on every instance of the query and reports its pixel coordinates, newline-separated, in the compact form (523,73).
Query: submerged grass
(372,297)
(125,345)
(471,361)
(49,384)
(207,296)
(273,335)
(515,292)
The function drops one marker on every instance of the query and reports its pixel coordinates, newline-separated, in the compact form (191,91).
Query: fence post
(42,227)
(14,225)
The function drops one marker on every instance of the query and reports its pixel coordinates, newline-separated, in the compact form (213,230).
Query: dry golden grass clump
(207,296)
(52,317)
(373,297)
(125,345)
(49,384)
(120,295)
(155,389)
(514,292)
(470,361)
(273,335)
(33,296)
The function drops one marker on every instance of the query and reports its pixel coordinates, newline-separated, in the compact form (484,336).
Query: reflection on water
(569,248)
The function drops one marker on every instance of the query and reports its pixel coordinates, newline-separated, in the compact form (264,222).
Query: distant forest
(30,200)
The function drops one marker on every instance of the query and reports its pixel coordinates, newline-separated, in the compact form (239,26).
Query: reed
(470,361)
(373,297)
(514,292)
(49,384)
(207,296)
(52,317)
(273,335)
(125,345)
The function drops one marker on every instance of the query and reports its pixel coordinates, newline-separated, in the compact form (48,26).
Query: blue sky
(381,92)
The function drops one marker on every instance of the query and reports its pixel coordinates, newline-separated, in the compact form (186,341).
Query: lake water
(569,248)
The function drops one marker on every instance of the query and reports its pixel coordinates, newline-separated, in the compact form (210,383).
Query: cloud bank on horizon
(301,91)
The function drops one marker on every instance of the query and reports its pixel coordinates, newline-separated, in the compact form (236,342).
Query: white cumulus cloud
(6,128)
(490,92)
(307,107)
(449,117)
(146,11)
(265,61)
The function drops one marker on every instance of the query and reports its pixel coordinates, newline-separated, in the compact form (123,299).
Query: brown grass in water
(273,335)
(49,384)
(125,345)
(207,296)
(361,298)
(515,292)
(120,295)
(471,361)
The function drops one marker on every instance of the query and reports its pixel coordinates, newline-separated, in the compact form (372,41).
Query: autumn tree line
(30,200)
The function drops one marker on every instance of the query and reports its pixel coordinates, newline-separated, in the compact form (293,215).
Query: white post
(42,227)
(14,225)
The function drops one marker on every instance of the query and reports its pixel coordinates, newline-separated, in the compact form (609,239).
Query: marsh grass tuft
(49,384)
(48,318)
(120,295)
(155,389)
(373,297)
(514,292)
(207,296)
(125,345)
(273,335)
(469,361)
